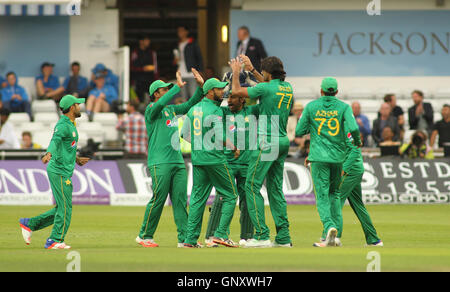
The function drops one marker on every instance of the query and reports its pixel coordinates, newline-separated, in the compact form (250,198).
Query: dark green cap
(329,85)
(157,85)
(69,100)
(213,83)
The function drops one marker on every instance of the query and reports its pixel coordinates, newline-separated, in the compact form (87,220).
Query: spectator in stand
(187,56)
(210,73)
(442,128)
(14,96)
(110,78)
(47,84)
(397,112)
(8,138)
(2,82)
(385,120)
(251,47)
(144,67)
(135,132)
(388,137)
(27,142)
(76,84)
(296,112)
(421,114)
(101,97)
(417,147)
(363,122)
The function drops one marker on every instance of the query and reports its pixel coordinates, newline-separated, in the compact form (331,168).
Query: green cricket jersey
(276,99)
(206,132)
(353,160)
(326,120)
(241,129)
(162,127)
(63,148)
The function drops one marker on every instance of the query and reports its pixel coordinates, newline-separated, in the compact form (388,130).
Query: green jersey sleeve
(182,109)
(351,125)
(58,134)
(254,110)
(186,130)
(303,126)
(157,107)
(257,91)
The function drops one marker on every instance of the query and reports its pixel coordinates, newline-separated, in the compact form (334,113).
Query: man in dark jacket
(144,67)
(187,55)
(421,114)
(385,120)
(251,47)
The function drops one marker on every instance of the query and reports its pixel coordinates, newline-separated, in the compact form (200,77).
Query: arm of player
(186,130)
(303,126)
(235,65)
(182,109)
(249,67)
(55,143)
(352,125)
(163,101)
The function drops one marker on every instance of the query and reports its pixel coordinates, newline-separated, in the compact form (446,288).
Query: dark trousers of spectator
(22,107)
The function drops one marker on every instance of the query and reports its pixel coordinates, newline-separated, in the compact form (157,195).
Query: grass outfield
(416,238)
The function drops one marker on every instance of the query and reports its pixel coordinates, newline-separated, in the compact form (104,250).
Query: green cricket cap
(213,83)
(69,100)
(157,85)
(329,84)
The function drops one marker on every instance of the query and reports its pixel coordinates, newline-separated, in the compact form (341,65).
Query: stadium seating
(42,138)
(43,106)
(17,119)
(46,118)
(108,122)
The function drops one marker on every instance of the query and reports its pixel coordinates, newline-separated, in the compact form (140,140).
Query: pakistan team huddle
(235,148)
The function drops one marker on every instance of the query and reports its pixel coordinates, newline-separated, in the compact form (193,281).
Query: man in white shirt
(8,137)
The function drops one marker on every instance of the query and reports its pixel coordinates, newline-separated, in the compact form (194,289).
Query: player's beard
(218,98)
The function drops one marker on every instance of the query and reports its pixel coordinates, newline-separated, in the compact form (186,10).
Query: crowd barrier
(127,182)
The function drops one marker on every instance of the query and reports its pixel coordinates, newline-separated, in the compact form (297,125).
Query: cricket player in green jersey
(276,98)
(204,130)
(61,157)
(165,161)
(240,124)
(350,188)
(325,119)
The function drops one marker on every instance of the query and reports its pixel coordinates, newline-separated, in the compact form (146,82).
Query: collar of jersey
(69,120)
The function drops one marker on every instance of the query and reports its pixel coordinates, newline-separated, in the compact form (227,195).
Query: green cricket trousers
(238,172)
(350,189)
(326,178)
(166,179)
(205,178)
(61,214)
(268,163)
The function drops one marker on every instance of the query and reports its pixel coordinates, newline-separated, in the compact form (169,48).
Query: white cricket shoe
(26,231)
(378,244)
(331,237)
(210,243)
(243,242)
(253,243)
(276,244)
(146,242)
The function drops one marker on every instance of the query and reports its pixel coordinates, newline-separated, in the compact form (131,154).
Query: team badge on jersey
(166,113)
(73,134)
(232,119)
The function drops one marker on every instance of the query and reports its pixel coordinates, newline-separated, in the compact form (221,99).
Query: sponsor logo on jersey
(349,136)
(74,143)
(232,128)
(169,123)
